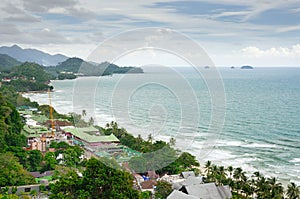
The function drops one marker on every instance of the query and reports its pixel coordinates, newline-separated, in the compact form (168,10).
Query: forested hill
(26,77)
(79,66)
(7,62)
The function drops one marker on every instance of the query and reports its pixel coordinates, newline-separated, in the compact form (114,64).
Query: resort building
(90,137)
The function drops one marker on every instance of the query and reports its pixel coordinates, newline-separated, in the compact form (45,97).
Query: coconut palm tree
(293,191)
(276,189)
(208,167)
(150,138)
(83,113)
(230,170)
(91,121)
(172,141)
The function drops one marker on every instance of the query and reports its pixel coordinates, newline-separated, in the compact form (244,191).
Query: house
(206,191)
(225,191)
(186,174)
(148,185)
(40,175)
(58,123)
(180,195)
(193,180)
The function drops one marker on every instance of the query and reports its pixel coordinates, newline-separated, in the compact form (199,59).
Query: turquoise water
(262,114)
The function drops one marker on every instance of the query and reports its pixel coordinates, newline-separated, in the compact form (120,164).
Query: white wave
(258,145)
(229,143)
(295,160)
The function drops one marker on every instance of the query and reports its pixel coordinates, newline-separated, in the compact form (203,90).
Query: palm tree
(83,113)
(172,141)
(276,189)
(208,167)
(150,138)
(238,173)
(293,191)
(91,121)
(230,170)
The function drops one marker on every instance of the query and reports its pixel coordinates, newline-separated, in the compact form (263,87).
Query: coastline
(239,160)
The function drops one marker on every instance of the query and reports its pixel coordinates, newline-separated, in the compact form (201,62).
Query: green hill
(79,66)
(7,62)
(28,77)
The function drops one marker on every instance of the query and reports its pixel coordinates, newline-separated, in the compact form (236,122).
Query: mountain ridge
(32,55)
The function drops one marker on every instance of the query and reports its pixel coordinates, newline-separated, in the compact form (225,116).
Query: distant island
(247,67)
(74,67)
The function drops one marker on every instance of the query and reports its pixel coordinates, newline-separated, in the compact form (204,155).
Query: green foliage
(67,186)
(35,158)
(10,93)
(21,154)
(71,155)
(31,71)
(45,110)
(242,185)
(25,85)
(162,190)
(146,195)
(98,181)
(158,156)
(12,172)
(10,125)
(9,196)
(293,191)
(28,77)
(7,62)
(59,145)
(62,76)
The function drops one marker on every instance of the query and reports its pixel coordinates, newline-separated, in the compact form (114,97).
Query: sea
(248,118)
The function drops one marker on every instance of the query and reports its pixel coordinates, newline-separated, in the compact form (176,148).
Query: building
(90,136)
(180,195)
(207,191)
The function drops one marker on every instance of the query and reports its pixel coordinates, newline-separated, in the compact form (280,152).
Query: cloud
(11,13)
(226,26)
(9,33)
(45,5)
(291,52)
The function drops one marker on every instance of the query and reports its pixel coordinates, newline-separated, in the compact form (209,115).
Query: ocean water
(260,128)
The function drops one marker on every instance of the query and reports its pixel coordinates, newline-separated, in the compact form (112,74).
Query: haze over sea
(262,123)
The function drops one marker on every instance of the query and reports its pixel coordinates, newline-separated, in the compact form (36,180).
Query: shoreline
(284,177)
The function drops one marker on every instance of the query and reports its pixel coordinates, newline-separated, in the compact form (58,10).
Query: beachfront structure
(180,195)
(207,191)
(90,136)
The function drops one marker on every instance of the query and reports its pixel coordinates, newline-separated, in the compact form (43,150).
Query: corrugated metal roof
(88,134)
(180,195)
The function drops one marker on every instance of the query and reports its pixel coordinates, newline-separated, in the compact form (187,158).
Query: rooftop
(88,134)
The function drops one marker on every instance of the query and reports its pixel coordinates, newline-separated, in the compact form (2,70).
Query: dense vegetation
(249,186)
(12,173)
(27,77)
(62,76)
(7,62)
(98,181)
(10,125)
(156,156)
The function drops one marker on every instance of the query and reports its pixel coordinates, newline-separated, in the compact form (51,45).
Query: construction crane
(51,113)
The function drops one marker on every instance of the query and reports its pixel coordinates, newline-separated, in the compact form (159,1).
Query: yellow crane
(51,113)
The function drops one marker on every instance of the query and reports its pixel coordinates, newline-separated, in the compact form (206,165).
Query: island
(247,67)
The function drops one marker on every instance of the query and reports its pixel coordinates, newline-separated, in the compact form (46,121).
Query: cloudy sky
(232,32)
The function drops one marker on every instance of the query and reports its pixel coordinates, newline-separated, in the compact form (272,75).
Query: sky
(231,32)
